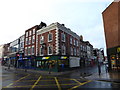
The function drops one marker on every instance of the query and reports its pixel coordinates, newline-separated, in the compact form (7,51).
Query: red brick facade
(30,35)
(47,43)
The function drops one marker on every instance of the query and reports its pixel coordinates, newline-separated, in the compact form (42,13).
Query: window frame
(41,40)
(51,50)
(49,37)
(63,36)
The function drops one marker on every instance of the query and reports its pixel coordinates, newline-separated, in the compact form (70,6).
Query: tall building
(111,19)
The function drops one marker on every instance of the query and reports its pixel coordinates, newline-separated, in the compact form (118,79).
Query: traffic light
(95,52)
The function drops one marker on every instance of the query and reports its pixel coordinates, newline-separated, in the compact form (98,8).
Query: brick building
(111,19)
(58,45)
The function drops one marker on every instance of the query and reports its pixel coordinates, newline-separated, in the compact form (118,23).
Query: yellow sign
(45,57)
(118,49)
(63,57)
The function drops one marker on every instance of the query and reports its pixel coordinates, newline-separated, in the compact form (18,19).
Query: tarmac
(104,76)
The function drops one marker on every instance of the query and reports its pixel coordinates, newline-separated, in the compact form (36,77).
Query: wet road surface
(21,79)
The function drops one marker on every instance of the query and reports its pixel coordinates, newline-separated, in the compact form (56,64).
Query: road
(30,81)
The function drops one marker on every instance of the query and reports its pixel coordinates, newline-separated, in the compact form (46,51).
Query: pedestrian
(50,67)
(106,68)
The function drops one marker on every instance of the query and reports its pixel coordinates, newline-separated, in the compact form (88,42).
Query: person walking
(50,67)
(106,67)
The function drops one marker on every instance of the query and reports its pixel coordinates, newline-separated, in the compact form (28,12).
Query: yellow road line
(17,81)
(36,83)
(79,85)
(77,81)
(59,88)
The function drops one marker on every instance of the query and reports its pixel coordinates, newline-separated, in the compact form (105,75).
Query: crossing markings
(80,84)
(36,83)
(59,88)
(17,81)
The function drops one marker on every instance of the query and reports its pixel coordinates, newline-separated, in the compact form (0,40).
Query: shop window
(50,50)
(63,37)
(49,37)
(41,39)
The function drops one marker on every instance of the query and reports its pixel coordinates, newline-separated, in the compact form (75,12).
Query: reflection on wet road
(12,79)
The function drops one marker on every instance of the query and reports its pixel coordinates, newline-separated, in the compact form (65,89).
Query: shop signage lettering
(45,57)
(63,57)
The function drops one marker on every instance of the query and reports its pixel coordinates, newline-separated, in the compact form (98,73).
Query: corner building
(111,19)
(58,46)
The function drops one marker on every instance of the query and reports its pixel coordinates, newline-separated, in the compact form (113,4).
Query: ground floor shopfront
(114,58)
(56,63)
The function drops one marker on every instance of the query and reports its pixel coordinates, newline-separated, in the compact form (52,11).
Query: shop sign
(45,57)
(113,62)
(63,57)
(118,50)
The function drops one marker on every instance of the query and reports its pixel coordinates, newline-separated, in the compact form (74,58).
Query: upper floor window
(75,51)
(50,50)
(41,50)
(26,34)
(63,50)
(30,33)
(26,41)
(33,39)
(29,40)
(70,40)
(26,51)
(29,50)
(78,53)
(71,50)
(74,41)
(41,39)
(63,37)
(34,31)
(33,50)
(49,37)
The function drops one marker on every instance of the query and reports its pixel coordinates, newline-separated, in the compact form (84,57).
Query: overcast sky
(81,16)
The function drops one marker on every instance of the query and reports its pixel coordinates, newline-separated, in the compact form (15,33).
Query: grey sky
(80,16)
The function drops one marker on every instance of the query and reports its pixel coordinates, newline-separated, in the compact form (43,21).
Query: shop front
(57,63)
(114,58)
(29,62)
